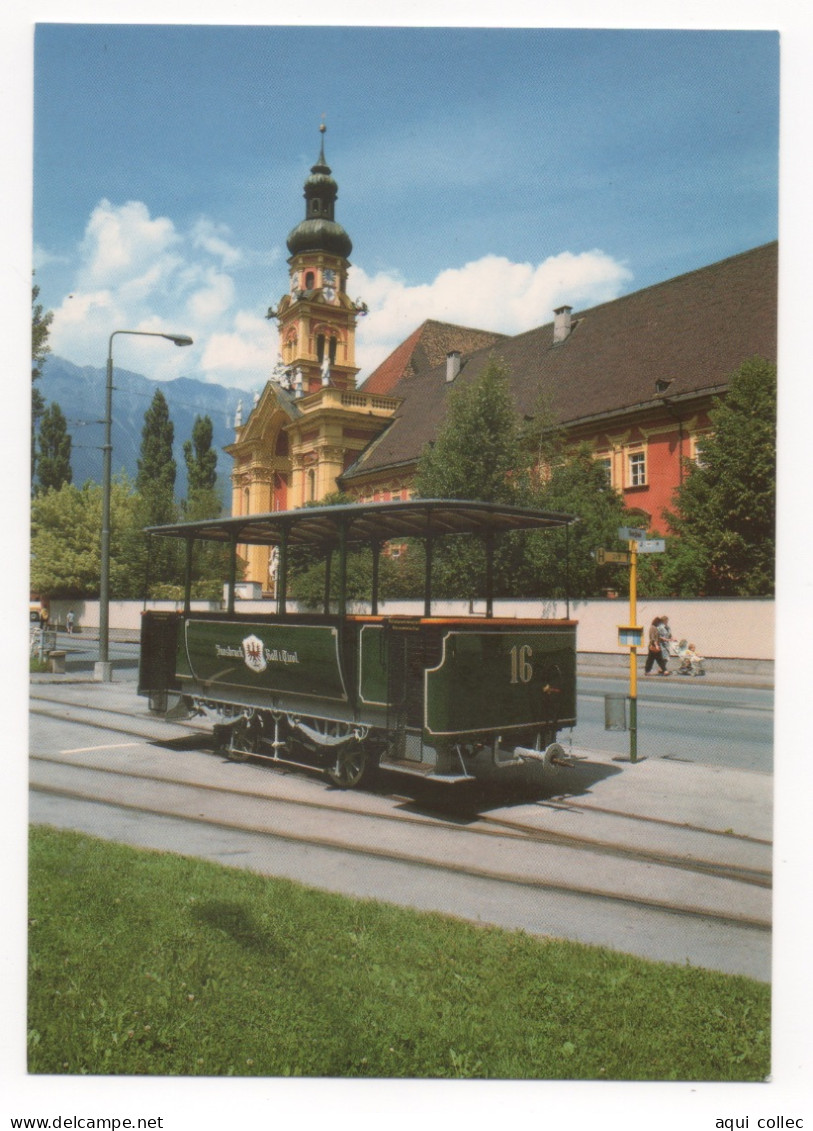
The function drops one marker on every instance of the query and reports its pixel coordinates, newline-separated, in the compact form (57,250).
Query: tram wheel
(244,741)
(354,766)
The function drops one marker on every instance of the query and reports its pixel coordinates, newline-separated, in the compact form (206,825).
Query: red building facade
(635,378)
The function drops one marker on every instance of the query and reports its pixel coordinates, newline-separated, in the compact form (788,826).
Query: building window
(696,448)
(606,465)
(311,485)
(310,279)
(636,465)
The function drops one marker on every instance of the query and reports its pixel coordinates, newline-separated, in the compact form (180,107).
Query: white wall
(726,629)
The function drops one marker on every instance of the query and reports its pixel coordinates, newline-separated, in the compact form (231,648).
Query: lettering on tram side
(256,655)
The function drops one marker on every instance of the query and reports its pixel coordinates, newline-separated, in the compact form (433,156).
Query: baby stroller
(690,662)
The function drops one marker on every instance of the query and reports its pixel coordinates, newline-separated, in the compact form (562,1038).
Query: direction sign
(651,546)
(631,534)
(611,557)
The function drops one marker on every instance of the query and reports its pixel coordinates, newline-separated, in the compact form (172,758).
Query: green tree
(562,562)
(477,449)
(155,483)
(65,552)
(210,562)
(157,469)
(478,454)
(201,459)
(54,457)
(40,326)
(724,520)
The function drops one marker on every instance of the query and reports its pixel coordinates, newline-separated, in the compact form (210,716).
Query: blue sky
(485,174)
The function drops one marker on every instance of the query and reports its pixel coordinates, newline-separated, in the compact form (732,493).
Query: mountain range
(80,393)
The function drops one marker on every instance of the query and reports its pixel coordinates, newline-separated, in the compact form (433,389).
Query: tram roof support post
(328,564)
(147,564)
(187,579)
(376,564)
(427,578)
(232,573)
(567,571)
(342,569)
(282,574)
(490,574)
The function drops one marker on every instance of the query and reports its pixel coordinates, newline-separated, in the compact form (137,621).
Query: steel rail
(487,826)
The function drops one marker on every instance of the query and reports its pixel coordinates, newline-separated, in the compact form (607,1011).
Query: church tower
(310,423)
(317,320)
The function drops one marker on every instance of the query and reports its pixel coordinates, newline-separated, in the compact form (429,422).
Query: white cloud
(140,272)
(42,258)
(124,242)
(491,293)
(211,237)
(212,299)
(249,350)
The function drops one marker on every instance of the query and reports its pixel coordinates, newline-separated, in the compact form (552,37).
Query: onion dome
(319,231)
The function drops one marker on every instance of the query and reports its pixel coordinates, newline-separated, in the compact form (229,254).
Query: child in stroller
(691,663)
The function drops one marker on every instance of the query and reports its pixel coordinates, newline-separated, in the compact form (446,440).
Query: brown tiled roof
(692,331)
(426,347)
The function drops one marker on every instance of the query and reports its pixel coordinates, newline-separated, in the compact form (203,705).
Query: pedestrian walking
(69,622)
(654,652)
(665,634)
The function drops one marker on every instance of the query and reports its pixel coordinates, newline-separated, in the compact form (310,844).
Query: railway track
(553,843)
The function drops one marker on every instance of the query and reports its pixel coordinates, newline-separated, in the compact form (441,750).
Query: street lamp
(102,669)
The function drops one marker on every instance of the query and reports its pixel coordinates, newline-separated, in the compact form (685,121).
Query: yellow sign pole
(633,550)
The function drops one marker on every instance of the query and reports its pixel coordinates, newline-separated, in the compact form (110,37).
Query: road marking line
(106,746)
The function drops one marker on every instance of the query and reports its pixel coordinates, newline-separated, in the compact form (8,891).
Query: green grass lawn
(146,963)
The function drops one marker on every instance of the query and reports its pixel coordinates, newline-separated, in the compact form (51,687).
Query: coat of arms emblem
(254,654)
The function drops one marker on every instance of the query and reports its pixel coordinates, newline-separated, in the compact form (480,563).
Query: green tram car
(437,696)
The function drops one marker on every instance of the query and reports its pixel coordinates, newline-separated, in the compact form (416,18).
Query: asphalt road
(684,720)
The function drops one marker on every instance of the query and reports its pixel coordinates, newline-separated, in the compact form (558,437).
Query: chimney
(452,364)
(561,323)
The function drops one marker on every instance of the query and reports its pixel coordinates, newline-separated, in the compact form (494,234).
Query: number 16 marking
(521,669)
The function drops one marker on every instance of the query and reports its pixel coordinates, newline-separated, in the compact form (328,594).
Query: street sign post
(632,635)
(612,557)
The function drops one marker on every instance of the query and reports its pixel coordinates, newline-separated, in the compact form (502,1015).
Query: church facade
(635,378)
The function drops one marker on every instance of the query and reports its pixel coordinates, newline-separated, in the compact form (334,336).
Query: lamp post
(102,669)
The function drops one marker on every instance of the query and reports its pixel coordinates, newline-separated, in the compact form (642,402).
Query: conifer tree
(478,447)
(210,566)
(157,469)
(155,484)
(54,457)
(201,462)
(40,324)
(724,540)
(475,456)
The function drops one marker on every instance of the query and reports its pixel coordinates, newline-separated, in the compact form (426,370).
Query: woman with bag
(654,654)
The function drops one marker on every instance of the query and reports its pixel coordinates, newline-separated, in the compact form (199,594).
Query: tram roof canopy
(366,522)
